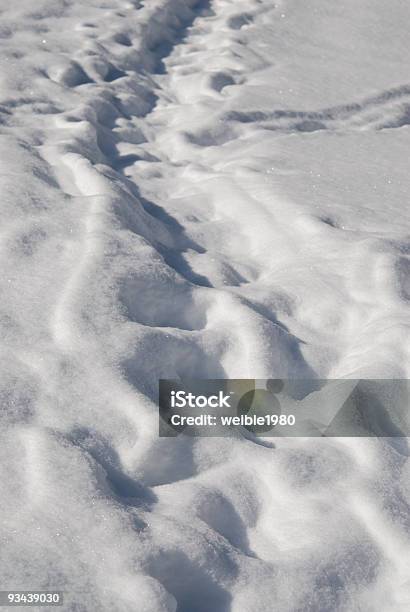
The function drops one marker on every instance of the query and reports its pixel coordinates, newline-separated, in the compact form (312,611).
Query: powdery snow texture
(200,189)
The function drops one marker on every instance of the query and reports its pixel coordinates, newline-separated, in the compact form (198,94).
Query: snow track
(155,224)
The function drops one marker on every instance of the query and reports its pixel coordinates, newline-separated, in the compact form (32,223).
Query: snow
(209,189)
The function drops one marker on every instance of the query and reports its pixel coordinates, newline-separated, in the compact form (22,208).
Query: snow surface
(200,189)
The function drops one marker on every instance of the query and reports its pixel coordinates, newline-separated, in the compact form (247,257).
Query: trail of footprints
(387,110)
(154,296)
(114,120)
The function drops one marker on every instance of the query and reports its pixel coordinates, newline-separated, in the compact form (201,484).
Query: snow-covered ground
(214,188)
